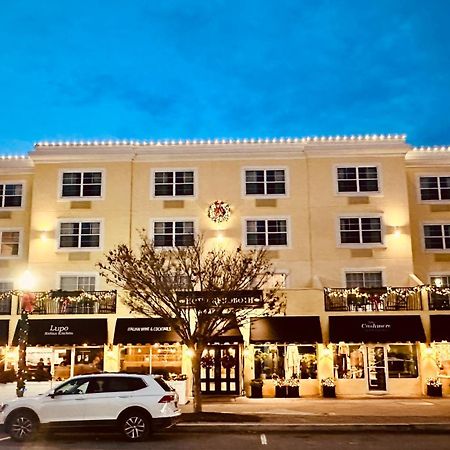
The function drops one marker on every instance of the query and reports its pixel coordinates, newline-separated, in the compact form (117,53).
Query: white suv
(133,404)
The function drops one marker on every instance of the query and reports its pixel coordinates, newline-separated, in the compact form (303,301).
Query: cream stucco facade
(317,246)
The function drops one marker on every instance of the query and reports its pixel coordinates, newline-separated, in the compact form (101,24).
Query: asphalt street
(245,440)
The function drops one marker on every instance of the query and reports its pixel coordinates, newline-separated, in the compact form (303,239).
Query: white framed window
(434,188)
(364,279)
(437,236)
(360,230)
(11,195)
(77,282)
(80,234)
(10,243)
(267,232)
(174,183)
(81,184)
(440,280)
(357,179)
(265,182)
(173,233)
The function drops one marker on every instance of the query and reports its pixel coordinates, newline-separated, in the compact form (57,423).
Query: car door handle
(124,396)
(80,399)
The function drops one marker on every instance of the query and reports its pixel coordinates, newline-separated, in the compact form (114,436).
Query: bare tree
(201,293)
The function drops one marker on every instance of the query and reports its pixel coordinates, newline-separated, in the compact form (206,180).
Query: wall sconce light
(397,232)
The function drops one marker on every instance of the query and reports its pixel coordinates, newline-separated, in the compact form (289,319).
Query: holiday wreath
(207,361)
(228,362)
(219,211)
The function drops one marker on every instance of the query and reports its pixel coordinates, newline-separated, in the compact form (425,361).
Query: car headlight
(3,407)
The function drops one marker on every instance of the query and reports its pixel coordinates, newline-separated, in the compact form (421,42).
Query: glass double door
(219,374)
(377,368)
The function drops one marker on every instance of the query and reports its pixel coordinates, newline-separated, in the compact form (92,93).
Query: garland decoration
(219,211)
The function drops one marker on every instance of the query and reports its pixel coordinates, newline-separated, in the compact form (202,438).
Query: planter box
(434,391)
(256,390)
(329,391)
(280,391)
(293,391)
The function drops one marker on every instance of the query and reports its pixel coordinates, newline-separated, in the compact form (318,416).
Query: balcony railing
(438,298)
(373,299)
(73,302)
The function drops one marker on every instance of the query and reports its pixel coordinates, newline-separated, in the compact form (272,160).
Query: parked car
(133,404)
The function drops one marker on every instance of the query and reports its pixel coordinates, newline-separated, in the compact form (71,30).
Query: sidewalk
(314,414)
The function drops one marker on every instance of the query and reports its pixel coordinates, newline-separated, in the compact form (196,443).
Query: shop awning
(4,326)
(146,330)
(65,332)
(374,329)
(440,327)
(232,336)
(289,329)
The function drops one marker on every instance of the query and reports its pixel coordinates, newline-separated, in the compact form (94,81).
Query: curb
(221,427)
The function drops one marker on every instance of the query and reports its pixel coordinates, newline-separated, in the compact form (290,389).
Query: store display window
(402,361)
(159,359)
(348,360)
(285,361)
(442,355)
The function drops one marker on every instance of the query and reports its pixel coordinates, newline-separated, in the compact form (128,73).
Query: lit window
(440,280)
(173,234)
(265,182)
(81,184)
(9,243)
(402,361)
(174,184)
(77,283)
(437,237)
(267,232)
(79,235)
(357,179)
(11,195)
(434,188)
(360,230)
(348,360)
(363,279)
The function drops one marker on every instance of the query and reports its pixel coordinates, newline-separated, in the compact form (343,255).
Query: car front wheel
(135,426)
(22,426)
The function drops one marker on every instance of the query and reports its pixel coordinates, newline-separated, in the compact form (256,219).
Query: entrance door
(220,370)
(376,367)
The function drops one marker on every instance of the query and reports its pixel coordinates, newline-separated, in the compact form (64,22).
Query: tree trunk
(197,354)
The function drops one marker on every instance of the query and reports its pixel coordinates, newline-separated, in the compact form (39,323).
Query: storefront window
(348,360)
(402,361)
(442,352)
(157,359)
(285,361)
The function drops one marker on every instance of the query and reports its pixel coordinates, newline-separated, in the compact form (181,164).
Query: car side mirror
(52,393)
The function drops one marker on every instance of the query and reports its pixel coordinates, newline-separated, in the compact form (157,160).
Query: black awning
(4,327)
(146,330)
(65,332)
(230,336)
(376,329)
(440,327)
(289,329)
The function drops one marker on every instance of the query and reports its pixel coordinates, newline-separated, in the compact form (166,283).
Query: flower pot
(256,390)
(434,391)
(280,391)
(293,391)
(329,391)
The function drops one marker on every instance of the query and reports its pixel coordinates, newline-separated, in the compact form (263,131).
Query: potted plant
(328,387)
(434,387)
(280,387)
(256,387)
(293,388)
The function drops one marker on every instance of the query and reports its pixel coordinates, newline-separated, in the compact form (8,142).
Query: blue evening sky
(193,69)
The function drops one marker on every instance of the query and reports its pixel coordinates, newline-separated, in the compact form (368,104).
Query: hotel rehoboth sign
(211,299)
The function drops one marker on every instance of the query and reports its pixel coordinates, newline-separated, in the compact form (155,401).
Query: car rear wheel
(135,426)
(22,426)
